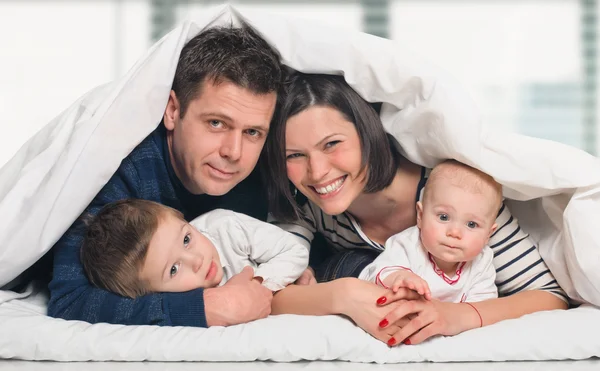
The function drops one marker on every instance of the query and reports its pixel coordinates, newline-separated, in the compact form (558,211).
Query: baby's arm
(403,277)
(484,285)
(391,269)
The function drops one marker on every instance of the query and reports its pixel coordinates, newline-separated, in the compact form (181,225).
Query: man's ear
(419,213)
(172,112)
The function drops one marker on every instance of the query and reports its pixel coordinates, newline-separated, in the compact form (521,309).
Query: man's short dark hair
(236,54)
(380,150)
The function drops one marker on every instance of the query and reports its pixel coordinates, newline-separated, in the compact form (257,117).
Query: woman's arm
(351,297)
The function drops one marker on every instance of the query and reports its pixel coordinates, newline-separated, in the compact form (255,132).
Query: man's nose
(231,147)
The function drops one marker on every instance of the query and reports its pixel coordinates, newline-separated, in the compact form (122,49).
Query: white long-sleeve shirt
(473,281)
(276,255)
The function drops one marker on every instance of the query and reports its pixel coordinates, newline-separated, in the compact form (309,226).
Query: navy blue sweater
(146,173)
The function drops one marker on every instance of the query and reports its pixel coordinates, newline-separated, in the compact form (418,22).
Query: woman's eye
(472,225)
(293,155)
(174,270)
(186,240)
(443,217)
(331,144)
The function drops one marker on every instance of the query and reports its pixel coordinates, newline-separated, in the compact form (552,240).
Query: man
(201,157)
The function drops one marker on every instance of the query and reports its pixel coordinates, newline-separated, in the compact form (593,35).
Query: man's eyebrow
(223,117)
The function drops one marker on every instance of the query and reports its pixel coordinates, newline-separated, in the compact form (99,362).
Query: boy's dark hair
(218,54)
(380,150)
(116,243)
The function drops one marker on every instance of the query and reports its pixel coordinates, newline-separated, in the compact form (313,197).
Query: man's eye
(253,132)
(215,123)
(472,225)
(174,270)
(186,240)
(444,217)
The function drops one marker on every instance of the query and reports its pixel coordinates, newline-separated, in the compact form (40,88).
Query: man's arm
(72,297)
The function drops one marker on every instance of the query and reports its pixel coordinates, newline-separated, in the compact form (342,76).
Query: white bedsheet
(56,174)
(28,334)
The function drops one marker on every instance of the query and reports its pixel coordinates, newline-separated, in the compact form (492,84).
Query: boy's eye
(174,270)
(444,217)
(472,225)
(186,240)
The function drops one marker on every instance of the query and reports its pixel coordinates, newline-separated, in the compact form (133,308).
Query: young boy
(133,247)
(445,256)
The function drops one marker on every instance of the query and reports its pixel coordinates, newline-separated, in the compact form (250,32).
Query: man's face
(217,143)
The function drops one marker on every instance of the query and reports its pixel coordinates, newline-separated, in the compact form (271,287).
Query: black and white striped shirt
(517,260)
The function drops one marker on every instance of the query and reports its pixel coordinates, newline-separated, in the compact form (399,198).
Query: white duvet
(57,172)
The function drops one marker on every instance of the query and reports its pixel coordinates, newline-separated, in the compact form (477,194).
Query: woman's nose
(318,167)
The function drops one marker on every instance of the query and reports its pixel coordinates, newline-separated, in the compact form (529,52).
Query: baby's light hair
(466,177)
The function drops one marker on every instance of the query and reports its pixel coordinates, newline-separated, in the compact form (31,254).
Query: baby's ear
(419,213)
(492,230)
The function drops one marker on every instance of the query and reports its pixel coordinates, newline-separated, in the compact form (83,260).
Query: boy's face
(180,258)
(455,223)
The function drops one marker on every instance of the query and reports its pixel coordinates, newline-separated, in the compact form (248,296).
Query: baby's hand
(409,280)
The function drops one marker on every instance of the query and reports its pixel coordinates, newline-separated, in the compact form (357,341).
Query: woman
(351,185)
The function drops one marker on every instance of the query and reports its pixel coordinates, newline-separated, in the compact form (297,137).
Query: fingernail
(406,341)
(391,342)
(381,300)
(383,323)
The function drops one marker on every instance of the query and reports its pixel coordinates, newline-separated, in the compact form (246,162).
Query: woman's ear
(419,213)
(172,111)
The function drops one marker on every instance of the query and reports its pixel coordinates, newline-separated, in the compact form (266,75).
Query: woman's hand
(427,318)
(364,301)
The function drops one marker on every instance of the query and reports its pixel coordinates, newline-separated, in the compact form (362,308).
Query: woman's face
(324,158)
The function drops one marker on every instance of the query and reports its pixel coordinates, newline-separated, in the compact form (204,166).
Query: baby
(133,247)
(445,256)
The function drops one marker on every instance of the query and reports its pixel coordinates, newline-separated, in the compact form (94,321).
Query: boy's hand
(409,280)
(242,299)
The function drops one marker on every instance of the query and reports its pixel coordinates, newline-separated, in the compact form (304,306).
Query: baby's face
(180,258)
(455,223)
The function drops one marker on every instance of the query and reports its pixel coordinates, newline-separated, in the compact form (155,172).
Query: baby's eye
(443,217)
(174,270)
(472,225)
(186,240)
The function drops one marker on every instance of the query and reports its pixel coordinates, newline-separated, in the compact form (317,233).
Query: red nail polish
(383,323)
(406,341)
(391,342)
(381,300)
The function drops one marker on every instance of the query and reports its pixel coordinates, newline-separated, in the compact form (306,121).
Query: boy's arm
(280,256)
(72,297)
